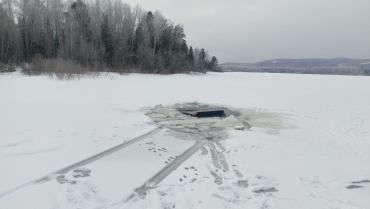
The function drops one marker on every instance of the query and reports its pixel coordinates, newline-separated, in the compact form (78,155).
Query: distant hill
(336,66)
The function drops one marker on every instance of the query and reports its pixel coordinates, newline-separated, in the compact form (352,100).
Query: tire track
(166,171)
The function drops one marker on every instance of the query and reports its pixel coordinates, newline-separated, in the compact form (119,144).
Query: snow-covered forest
(95,35)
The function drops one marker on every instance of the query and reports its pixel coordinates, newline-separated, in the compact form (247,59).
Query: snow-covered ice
(308,145)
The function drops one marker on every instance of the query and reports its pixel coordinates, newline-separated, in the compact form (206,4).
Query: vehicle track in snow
(82,163)
(166,171)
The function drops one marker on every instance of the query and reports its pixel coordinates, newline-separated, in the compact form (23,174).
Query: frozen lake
(309,145)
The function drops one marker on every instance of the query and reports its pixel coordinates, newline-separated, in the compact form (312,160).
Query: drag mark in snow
(107,152)
(82,163)
(218,157)
(166,171)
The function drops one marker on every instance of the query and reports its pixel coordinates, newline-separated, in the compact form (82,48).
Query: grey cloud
(253,30)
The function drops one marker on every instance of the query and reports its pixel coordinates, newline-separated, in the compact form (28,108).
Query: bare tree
(96,34)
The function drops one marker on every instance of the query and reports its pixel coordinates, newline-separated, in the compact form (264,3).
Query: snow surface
(310,139)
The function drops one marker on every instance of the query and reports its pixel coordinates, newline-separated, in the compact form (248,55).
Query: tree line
(97,34)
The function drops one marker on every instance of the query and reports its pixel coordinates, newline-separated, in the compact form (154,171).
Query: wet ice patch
(186,126)
(189,127)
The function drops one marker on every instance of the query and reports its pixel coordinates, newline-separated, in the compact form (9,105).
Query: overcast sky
(255,30)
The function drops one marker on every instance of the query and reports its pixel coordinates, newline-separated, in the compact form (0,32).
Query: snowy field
(308,147)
